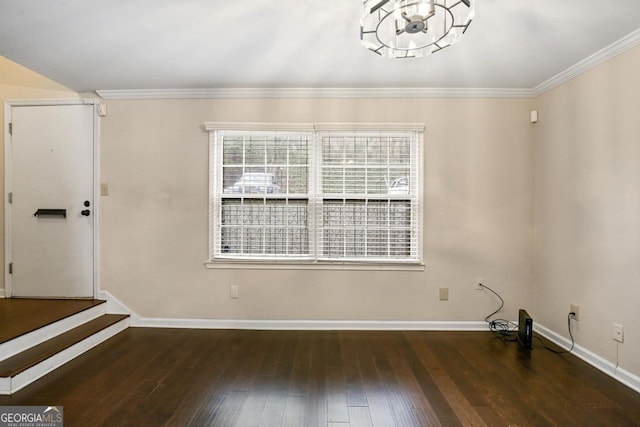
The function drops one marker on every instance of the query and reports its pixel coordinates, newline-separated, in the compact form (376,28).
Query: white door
(51,206)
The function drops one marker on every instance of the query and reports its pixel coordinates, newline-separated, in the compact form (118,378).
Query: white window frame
(312,261)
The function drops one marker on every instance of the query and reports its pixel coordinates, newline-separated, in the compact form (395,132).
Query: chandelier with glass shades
(413,28)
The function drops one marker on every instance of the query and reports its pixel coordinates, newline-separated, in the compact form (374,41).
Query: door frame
(8,163)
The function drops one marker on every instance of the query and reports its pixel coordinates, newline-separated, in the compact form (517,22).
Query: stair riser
(23,379)
(24,342)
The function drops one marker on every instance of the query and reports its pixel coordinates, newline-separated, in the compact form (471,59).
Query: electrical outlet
(444,294)
(234,291)
(575,309)
(618,332)
(479,281)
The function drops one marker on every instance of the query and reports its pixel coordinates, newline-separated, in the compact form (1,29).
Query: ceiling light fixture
(413,28)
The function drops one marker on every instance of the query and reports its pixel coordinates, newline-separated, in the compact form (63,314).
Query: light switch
(234,291)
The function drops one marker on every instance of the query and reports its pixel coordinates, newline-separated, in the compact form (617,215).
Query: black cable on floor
(508,330)
(502,328)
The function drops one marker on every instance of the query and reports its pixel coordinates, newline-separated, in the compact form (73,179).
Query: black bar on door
(51,212)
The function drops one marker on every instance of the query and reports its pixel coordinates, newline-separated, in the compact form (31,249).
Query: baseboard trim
(1,292)
(115,306)
(311,325)
(625,377)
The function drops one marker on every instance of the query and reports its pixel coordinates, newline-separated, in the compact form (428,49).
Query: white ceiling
(90,45)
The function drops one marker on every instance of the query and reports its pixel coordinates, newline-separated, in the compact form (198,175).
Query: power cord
(508,330)
(502,328)
(544,344)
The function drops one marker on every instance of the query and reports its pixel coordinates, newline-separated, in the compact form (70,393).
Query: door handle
(86,212)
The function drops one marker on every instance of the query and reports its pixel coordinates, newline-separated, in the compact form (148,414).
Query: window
(315,193)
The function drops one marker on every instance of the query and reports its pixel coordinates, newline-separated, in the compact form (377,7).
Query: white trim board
(311,92)
(614,49)
(625,377)
(26,341)
(114,305)
(309,325)
(313,127)
(13,384)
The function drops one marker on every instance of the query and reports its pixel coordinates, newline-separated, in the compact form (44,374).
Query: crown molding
(261,93)
(616,48)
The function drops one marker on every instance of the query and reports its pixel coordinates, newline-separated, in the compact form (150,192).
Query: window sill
(311,265)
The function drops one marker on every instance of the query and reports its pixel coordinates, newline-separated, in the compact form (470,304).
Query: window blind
(262,190)
(369,196)
(347,196)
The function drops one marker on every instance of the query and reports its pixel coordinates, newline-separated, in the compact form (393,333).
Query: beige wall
(587,207)
(19,83)
(478,213)
(549,211)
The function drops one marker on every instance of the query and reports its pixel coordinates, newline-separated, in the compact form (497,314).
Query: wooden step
(24,315)
(29,365)
(27,323)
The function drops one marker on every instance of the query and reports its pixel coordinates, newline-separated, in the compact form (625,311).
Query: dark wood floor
(20,315)
(173,377)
